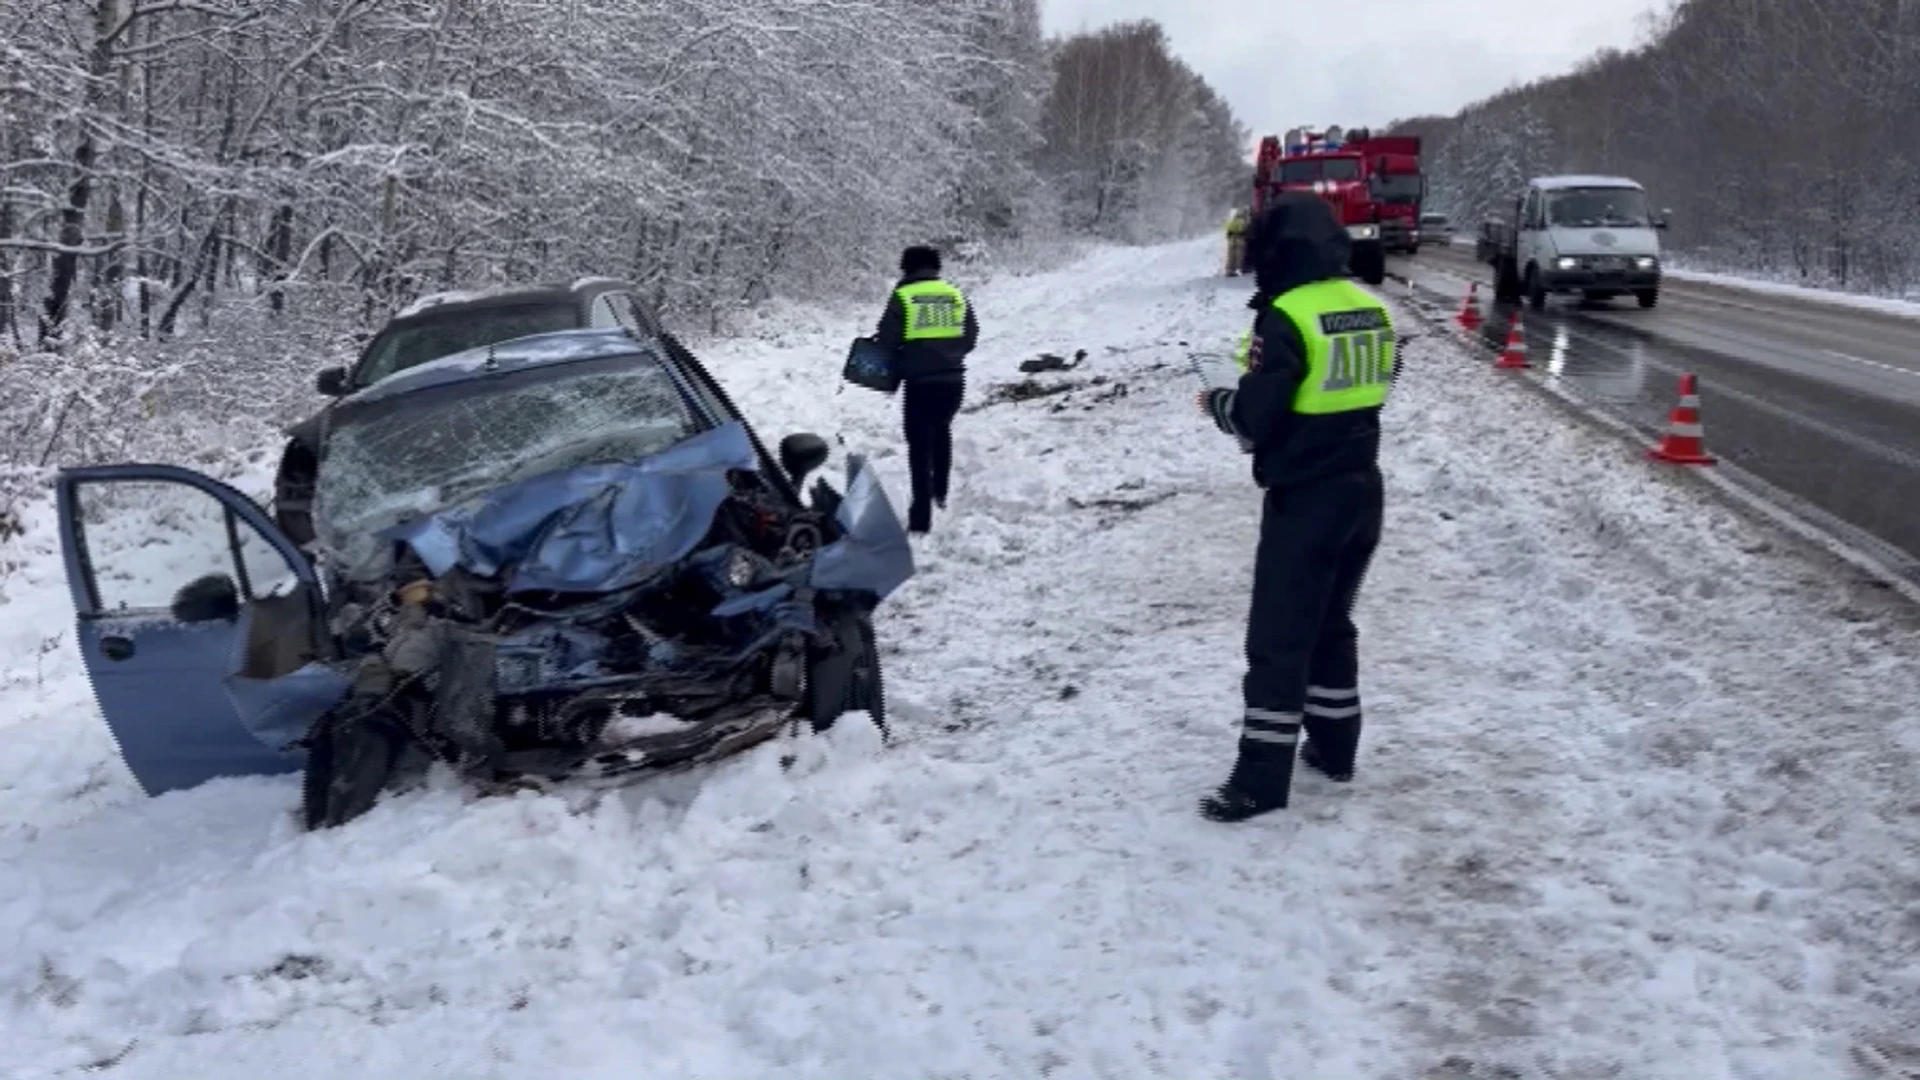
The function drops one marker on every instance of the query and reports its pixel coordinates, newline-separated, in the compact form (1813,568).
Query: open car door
(199,622)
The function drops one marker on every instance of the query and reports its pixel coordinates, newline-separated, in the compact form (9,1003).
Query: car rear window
(399,348)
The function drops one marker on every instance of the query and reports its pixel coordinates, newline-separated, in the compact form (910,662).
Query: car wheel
(1536,289)
(350,760)
(844,675)
(1647,297)
(1413,249)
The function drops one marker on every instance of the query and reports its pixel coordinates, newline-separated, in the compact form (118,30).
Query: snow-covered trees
(1137,145)
(1783,135)
(332,158)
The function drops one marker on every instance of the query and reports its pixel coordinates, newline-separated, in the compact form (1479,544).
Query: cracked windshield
(414,460)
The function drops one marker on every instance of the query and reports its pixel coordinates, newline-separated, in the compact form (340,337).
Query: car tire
(1536,289)
(844,675)
(350,761)
(1647,297)
(1413,249)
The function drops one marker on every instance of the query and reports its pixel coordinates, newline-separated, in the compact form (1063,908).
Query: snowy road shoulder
(1637,796)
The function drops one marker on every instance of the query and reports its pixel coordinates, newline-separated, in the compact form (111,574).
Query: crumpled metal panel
(873,555)
(593,529)
(280,711)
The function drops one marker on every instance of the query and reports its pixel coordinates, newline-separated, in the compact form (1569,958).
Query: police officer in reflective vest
(930,328)
(1317,366)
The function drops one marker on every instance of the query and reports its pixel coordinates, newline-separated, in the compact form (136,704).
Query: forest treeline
(170,164)
(1783,134)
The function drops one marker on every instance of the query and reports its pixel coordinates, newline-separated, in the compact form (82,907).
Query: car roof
(1557,183)
(520,354)
(442,303)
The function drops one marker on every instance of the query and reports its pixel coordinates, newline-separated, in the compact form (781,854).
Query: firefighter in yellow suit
(1236,241)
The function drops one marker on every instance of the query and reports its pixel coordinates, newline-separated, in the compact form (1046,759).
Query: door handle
(115,647)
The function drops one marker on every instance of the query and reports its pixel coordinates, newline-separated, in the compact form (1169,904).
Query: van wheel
(1647,297)
(1536,289)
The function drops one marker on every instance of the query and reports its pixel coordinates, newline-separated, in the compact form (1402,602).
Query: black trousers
(929,405)
(1303,661)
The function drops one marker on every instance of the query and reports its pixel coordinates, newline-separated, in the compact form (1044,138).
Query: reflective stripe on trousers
(1270,726)
(1332,704)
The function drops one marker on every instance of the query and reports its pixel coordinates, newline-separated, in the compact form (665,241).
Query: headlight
(1566,263)
(1644,262)
(1364,232)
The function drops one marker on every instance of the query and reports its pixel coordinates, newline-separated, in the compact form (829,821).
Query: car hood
(1605,241)
(603,528)
(599,529)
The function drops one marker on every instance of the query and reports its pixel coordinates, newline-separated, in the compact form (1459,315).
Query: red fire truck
(1372,182)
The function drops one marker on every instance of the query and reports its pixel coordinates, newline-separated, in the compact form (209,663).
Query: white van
(1592,235)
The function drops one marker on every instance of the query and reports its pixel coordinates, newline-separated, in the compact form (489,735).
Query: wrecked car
(564,557)
(441,324)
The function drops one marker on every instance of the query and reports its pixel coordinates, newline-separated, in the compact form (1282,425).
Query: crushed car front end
(563,574)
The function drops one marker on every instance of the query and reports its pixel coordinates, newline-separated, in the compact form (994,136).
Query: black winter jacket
(945,358)
(1296,241)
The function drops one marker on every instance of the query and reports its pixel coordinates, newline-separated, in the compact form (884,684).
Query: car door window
(197,621)
(147,539)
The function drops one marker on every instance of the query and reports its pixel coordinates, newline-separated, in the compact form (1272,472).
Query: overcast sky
(1378,60)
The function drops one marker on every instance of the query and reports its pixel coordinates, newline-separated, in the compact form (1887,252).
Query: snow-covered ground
(1638,797)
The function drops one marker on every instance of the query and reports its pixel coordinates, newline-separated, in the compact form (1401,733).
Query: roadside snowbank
(1884,305)
(1636,798)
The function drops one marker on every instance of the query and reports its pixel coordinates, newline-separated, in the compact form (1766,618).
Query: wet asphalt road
(1821,403)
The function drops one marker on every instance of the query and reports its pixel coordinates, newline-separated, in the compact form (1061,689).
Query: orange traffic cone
(1685,442)
(1469,316)
(1515,354)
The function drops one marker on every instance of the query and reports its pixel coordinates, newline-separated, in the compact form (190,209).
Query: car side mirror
(801,453)
(213,598)
(1661,221)
(332,382)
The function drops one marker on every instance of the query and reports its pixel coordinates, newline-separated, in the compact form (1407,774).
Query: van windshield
(1593,208)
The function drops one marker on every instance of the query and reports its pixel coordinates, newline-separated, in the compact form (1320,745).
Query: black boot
(1331,747)
(920,517)
(1261,780)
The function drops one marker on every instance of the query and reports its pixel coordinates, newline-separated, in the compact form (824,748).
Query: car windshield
(416,343)
(1592,208)
(418,459)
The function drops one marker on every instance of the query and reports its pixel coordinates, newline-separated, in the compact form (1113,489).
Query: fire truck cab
(1373,183)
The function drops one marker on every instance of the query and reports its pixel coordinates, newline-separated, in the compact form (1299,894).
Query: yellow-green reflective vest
(1349,340)
(934,311)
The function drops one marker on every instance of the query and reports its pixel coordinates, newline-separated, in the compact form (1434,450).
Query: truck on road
(1590,235)
(1373,183)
